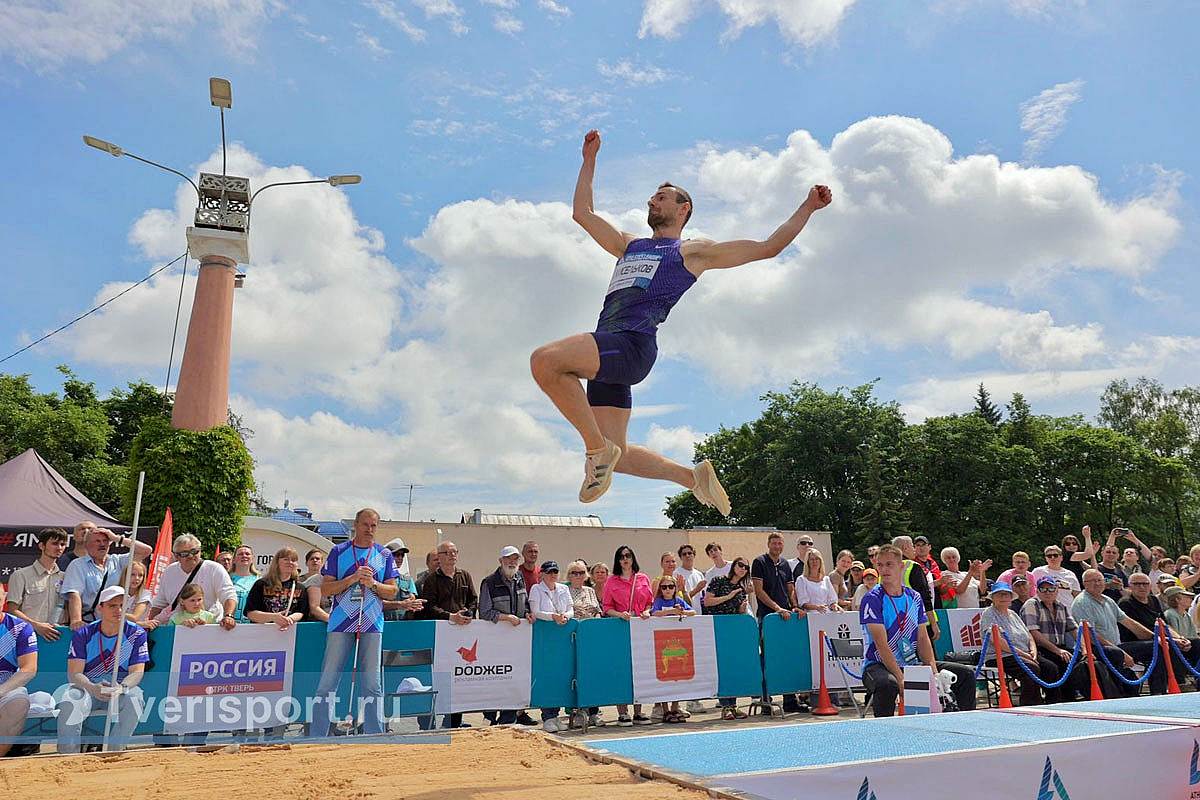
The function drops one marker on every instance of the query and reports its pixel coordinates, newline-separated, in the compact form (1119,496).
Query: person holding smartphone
(729,594)
(1131,564)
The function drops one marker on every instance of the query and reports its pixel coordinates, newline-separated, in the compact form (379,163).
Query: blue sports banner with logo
(482,665)
(230,680)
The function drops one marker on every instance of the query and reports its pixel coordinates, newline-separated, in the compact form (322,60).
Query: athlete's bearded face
(663,208)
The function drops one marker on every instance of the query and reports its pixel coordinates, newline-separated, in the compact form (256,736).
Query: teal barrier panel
(603,662)
(786,656)
(945,641)
(739,673)
(553,680)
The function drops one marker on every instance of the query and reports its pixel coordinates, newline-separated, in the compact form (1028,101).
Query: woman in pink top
(627,595)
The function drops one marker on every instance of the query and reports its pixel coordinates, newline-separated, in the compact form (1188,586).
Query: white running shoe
(598,471)
(708,489)
(551,725)
(596,721)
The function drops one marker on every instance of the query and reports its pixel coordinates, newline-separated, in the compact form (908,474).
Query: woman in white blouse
(551,601)
(814,590)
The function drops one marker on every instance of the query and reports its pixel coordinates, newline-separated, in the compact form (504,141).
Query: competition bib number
(634,270)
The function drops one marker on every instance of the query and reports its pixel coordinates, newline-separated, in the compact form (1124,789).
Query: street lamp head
(100,144)
(343,180)
(220,93)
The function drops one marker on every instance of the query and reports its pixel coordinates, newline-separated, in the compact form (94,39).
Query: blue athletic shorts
(625,359)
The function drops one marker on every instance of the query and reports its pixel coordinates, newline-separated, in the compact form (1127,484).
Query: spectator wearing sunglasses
(1068,584)
(1078,557)
(627,594)
(1053,629)
(191,567)
(669,603)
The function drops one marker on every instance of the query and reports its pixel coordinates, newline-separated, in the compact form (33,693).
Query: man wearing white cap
(502,598)
(90,663)
(18,665)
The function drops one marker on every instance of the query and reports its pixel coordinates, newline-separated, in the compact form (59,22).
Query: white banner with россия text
(230,680)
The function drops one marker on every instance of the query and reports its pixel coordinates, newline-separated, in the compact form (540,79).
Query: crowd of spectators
(1123,594)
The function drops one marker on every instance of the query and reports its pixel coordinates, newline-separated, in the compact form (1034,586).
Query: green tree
(126,410)
(1093,477)
(965,486)
(985,408)
(205,477)
(883,516)
(1167,424)
(802,463)
(1021,427)
(70,432)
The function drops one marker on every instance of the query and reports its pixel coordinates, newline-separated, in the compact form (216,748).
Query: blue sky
(1015,203)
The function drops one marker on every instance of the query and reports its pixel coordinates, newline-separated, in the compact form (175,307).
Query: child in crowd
(668,603)
(191,611)
(870,581)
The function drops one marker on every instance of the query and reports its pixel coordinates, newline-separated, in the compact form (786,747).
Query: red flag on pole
(217,552)
(160,559)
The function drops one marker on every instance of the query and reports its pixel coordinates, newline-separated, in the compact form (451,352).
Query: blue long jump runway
(1075,750)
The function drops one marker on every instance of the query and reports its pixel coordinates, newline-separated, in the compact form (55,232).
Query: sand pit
(479,764)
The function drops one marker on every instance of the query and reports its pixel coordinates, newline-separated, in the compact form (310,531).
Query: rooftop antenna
(411,486)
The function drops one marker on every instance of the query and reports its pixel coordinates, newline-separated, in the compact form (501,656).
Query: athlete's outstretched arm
(597,227)
(701,255)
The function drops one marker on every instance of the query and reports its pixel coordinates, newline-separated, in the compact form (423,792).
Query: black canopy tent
(34,496)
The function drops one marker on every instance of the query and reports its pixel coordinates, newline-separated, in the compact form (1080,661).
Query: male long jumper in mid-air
(650,277)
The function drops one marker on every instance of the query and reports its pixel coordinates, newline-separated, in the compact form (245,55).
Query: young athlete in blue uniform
(650,277)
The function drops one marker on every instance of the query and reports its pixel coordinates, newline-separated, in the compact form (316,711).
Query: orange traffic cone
(825,706)
(1172,684)
(1097,694)
(1005,700)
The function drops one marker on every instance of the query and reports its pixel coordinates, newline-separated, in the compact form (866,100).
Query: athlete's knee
(544,362)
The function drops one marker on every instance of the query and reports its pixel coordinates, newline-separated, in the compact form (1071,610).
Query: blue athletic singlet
(647,282)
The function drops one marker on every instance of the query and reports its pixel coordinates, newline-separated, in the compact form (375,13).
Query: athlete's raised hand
(819,196)
(591,144)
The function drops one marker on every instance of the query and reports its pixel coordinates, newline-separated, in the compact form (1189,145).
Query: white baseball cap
(509,550)
(109,592)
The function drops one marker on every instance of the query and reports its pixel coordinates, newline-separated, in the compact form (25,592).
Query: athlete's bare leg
(637,460)
(558,368)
